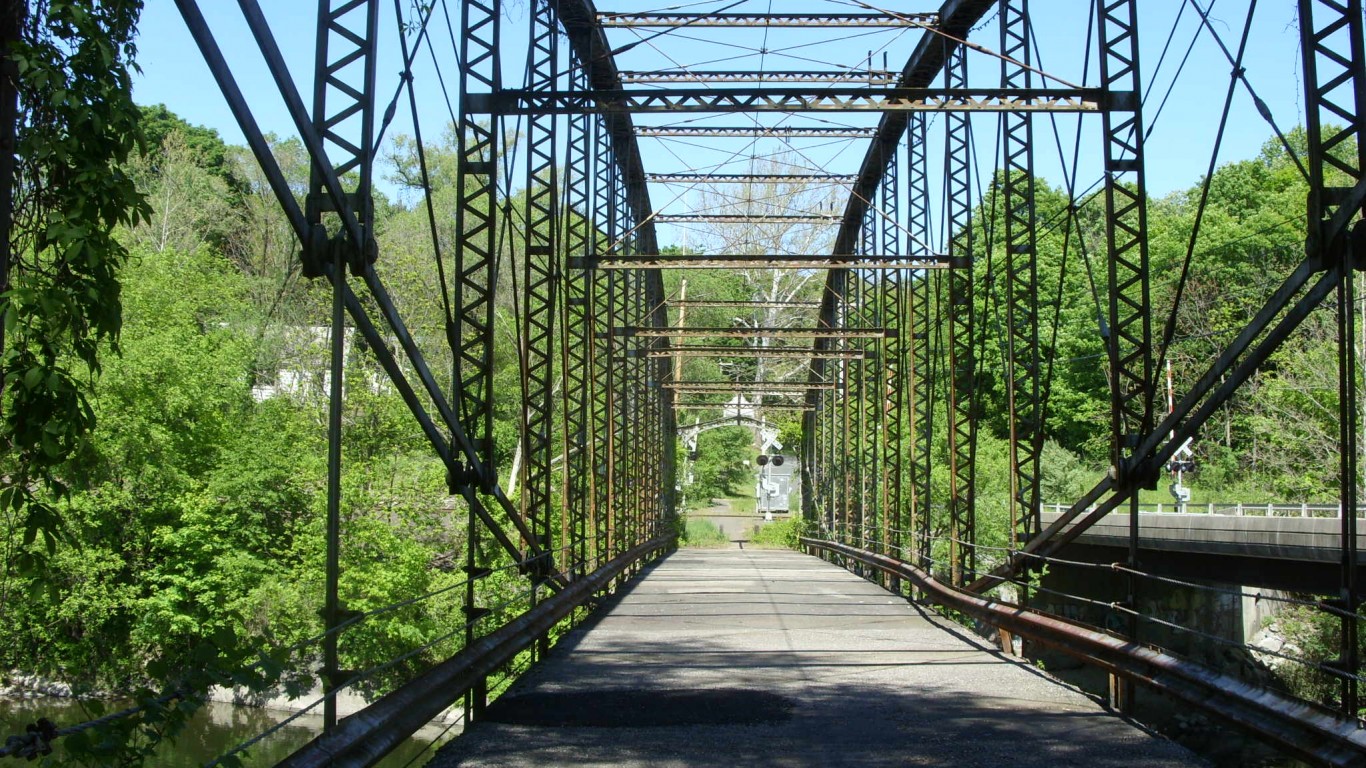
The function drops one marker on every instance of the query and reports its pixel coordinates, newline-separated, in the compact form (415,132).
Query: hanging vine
(68,63)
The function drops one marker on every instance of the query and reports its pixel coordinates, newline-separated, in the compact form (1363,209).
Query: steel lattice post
(843,431)
(1023,374)
(1335,91)
(891,290)
(576,340)
(962,362)
(602,312)
(865,453)
(1129,349)
(919,384)
(539,267)
(475,221)
(344,116)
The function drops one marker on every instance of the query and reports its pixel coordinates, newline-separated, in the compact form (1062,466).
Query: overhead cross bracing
(746,178)
(826,210)
(798,353)
(754,131)
(836,98)
(768,20)
(869,77)
(748,261)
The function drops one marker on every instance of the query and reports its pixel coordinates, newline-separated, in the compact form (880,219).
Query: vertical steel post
(1334,56)
(963,395)
(344,116)
(1023,371)
(541,264)
(476,227)
(1132,382)
(576,336)
(919,380)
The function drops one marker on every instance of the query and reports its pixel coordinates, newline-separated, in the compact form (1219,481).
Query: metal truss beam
(741,218)
(923,324)
(742,406)
(796,353)
(452,445)
(344,120)
(745,178)
(831,99)
(476,225)
(754,131)
(540,276)
(742,387)
(743,261)
(1335,86)
(703,303)
(746,333)
(849,76)
(1024,373)
(1130,310)
(767,20)
(962,363)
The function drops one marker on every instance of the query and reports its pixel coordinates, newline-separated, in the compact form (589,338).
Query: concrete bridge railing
(1238,509)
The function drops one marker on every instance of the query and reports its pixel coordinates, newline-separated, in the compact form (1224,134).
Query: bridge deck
(779,659)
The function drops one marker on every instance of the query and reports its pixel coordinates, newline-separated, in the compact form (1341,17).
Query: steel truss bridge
(557,145)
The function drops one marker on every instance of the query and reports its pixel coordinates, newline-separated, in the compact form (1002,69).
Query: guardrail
(367,736)
(1307,730)
(1236,509)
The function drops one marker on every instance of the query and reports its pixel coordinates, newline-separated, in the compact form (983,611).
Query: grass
(703,534)
(779,534)
(743,505)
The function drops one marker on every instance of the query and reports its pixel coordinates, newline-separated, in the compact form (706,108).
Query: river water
(214,729)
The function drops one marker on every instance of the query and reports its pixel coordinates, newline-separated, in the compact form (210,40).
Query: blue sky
(1183,132)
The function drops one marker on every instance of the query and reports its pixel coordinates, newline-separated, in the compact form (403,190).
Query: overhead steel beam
(704,261)
(777,352)
(743,218)
(1024,374)
(741,406)
(865,76)
(742,387)
(744,20)
(755,131)
(831,99)
(956,20)
(745,178)
(703,303)
(745,333)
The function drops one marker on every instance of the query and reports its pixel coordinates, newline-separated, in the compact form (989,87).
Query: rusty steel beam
(828,99)
(742,261)
(861,76)
(742,387)
(797,353)
(744,218)
(745,178)
(754,131)
(1309,731)
(745,333)
(703,303)
(732,406)
(748,20)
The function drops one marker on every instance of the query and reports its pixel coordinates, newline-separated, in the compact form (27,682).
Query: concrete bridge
(1289,547)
